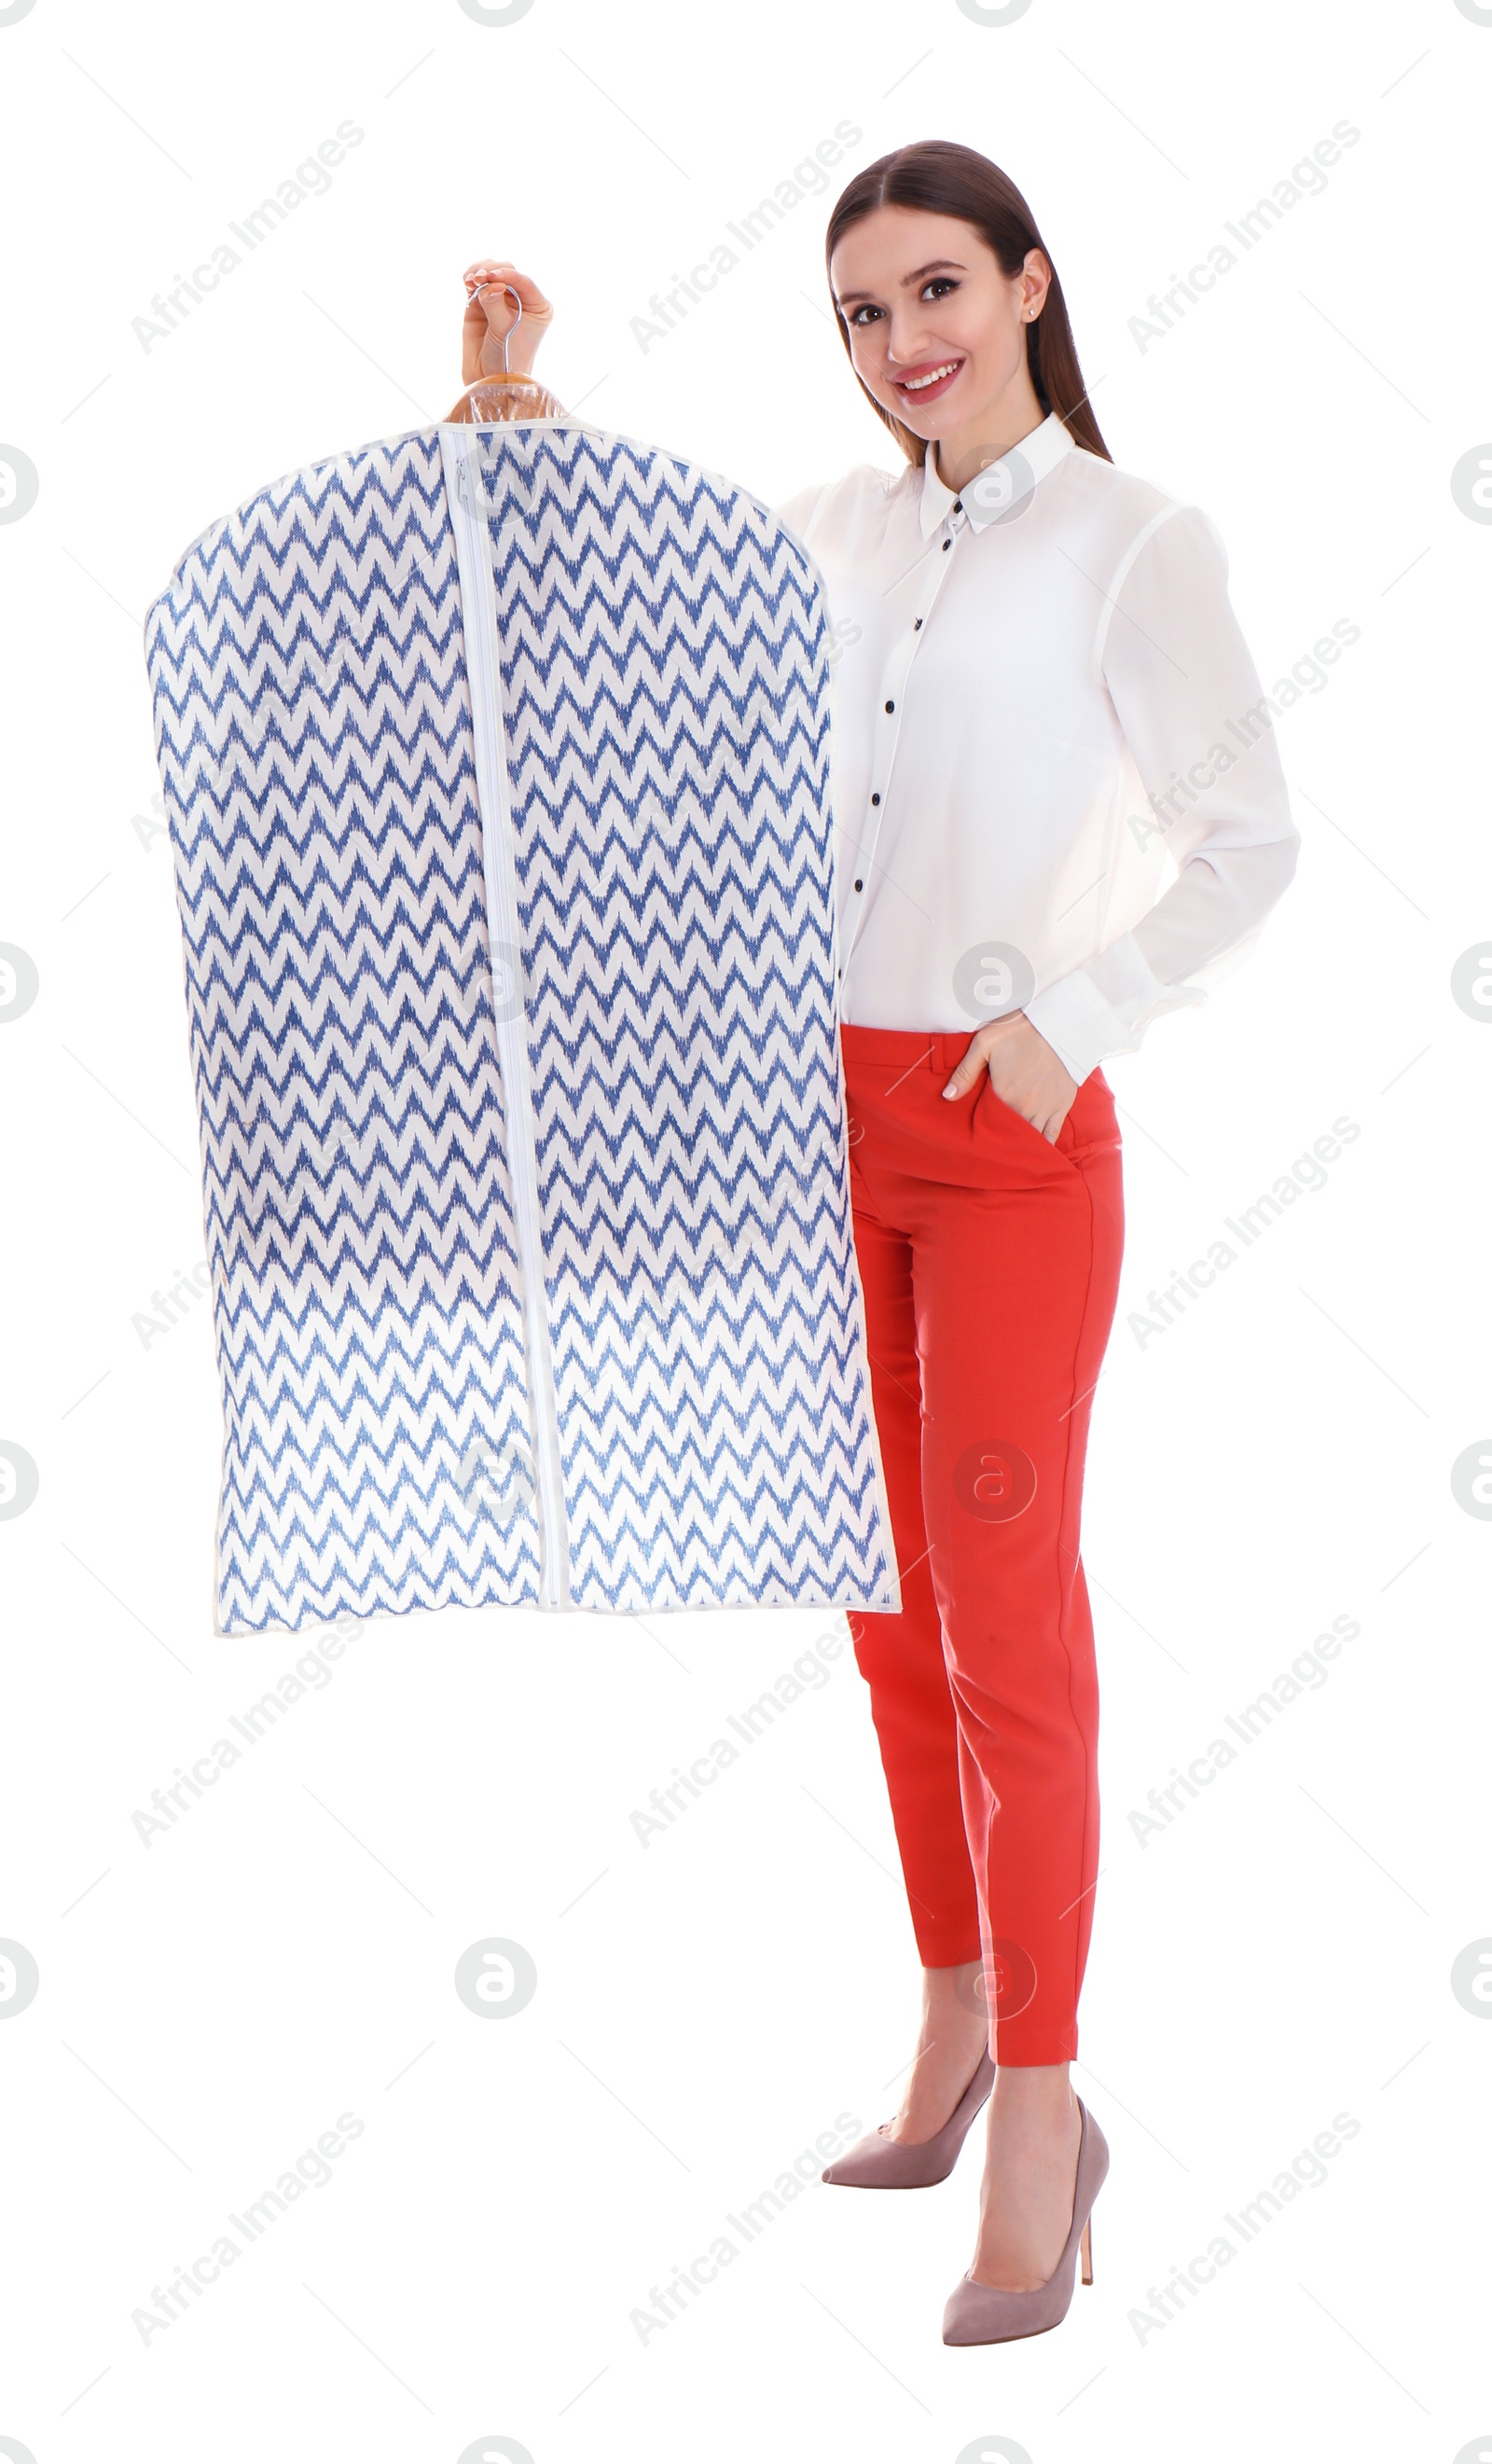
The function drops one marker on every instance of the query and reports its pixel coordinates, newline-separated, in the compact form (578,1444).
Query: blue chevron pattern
(480,1200)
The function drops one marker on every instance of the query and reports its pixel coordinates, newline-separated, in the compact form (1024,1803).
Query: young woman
(1042,692)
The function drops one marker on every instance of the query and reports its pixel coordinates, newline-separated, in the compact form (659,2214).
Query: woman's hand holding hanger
(489,318)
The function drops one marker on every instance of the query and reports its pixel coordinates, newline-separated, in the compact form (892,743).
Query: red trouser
(990,1263)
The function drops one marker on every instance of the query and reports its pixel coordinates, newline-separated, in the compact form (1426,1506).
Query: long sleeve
(1194,715)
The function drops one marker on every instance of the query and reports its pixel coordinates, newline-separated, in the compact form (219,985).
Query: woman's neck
(988,435)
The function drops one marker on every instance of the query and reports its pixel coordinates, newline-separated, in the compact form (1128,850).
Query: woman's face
(936,329)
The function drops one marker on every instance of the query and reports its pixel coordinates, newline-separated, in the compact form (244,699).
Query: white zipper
(460,455)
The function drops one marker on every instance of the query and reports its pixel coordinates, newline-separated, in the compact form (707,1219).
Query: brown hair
(940,178)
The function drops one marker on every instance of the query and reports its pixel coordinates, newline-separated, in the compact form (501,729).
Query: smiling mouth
(929,379)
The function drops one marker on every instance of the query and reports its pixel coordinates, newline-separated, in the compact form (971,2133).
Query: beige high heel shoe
(986,2313)
(877,2163)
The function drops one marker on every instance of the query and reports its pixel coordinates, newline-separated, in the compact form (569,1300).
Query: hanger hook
(481,290)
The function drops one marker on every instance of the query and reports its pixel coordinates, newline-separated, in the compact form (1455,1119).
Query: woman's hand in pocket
(1024,1072)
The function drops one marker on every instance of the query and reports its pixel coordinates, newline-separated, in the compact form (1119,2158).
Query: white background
(1280,1455)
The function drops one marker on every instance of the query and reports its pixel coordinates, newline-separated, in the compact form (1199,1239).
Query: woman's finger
(507,277)
(970,1068)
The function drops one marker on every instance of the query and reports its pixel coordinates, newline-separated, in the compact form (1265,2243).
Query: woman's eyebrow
(938,265)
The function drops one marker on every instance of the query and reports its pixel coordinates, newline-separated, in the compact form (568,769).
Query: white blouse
(1040,692)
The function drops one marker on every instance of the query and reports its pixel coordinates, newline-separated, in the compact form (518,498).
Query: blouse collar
(1000,483)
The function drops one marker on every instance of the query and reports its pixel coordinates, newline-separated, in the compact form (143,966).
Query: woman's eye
(939,283)
(862,314)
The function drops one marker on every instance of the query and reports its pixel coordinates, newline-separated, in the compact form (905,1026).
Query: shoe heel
(1086,2251)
